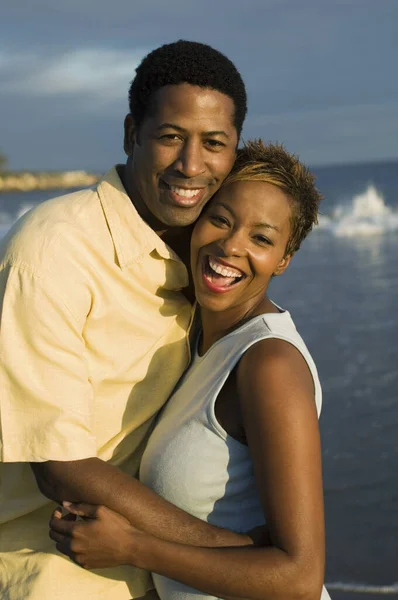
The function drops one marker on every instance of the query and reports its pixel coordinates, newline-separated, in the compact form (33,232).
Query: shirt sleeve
(46,400)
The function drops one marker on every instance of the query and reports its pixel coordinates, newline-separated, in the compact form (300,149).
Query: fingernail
(66,504)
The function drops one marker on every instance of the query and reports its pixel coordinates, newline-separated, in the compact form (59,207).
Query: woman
(238,442)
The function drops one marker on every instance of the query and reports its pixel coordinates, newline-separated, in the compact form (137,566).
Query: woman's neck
(215,325)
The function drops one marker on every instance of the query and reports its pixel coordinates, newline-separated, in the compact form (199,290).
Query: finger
(63,526)
(70,517)
(56,537)
(64,548)
(56,514)
(81,509)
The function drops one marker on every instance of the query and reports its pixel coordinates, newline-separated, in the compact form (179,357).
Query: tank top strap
(224,355)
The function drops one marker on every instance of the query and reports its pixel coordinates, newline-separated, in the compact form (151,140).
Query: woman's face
(238,243)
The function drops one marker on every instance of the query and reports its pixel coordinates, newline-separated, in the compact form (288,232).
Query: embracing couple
(143,293)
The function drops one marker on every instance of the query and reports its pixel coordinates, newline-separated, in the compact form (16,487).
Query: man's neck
(139,205)
(178,238)
(168,234)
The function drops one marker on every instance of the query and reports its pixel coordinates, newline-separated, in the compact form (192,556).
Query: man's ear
(283,265)
(130,134)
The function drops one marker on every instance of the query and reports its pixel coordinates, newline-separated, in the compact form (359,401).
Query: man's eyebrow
(171,126)
(182,130)
(261,224)
(220,132)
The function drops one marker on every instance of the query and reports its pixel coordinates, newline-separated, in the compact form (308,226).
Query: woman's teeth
(222,270)
(184,192)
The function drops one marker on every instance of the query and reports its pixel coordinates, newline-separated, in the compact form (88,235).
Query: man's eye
(216,144)
(170,137)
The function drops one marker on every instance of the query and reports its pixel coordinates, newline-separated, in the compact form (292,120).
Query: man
(94,326)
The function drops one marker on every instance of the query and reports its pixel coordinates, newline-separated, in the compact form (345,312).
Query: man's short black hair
(186,62)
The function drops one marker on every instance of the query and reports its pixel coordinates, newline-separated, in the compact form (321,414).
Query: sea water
(342,290)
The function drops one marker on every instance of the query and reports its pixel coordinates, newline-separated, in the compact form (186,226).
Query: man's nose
(190,161)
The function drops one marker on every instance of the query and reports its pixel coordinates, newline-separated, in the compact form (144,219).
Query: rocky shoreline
(25,181)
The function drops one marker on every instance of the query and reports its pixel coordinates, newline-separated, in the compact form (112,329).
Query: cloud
(94,72)
(319,74)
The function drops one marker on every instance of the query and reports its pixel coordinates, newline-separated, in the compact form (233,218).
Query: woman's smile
(219,276)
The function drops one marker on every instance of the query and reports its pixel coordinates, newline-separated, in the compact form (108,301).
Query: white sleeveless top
(192,461)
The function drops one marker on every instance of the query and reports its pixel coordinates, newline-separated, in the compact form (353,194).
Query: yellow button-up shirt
(93,338)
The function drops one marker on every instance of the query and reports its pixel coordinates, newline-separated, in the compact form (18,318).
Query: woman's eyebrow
(266,226)
(260,224)
(228,208)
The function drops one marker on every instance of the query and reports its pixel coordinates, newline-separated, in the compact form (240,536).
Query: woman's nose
(234,244)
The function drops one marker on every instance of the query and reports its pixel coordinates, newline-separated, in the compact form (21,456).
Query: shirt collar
(131,235)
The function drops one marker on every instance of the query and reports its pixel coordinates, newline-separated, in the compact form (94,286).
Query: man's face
(181,153)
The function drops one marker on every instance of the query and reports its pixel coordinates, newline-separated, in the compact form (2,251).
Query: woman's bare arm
(277,400)
(97,482)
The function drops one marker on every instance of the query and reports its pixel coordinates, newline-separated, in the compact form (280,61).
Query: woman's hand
(103,538)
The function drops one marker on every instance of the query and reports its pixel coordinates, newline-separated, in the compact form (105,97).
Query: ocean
(342,290)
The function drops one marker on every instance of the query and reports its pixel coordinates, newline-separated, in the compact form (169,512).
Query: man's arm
(96,482)
(46,401)
(46,396)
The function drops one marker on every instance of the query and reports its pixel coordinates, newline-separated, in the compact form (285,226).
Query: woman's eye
(261,239)
(219,220)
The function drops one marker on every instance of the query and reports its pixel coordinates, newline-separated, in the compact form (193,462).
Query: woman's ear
(130,130)
(283,265)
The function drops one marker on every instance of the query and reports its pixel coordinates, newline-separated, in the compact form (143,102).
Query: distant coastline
(28,181)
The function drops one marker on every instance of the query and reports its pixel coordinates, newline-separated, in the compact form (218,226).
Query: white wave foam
(363,588)
(367,215)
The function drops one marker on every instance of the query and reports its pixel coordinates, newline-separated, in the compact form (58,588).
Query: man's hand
(102,539)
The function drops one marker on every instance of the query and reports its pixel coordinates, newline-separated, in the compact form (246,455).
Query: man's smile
(185,197)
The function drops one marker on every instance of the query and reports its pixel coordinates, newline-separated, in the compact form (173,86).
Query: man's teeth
(224,271)
(184,192)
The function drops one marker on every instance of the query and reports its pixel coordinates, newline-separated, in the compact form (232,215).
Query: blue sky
(320,74)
